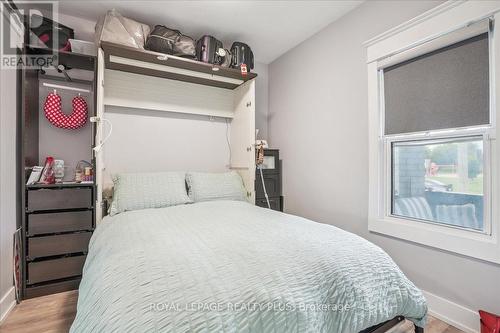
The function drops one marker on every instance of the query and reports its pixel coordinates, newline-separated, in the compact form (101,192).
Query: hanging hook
(62,69)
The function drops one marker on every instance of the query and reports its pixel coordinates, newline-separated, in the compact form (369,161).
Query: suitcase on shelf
(241,53)
(210,50)
(226,61)
(169,41)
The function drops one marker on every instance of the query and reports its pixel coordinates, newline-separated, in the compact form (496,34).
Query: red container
(490,323)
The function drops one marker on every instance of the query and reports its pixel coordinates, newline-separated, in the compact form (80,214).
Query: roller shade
(446,88)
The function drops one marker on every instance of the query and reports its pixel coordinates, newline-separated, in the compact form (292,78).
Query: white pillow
(134,191)
(215,186)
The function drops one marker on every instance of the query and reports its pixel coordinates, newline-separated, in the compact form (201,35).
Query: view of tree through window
(442,165)
(439,181)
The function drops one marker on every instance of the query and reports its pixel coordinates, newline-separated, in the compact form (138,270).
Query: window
(434,140)
(439,181)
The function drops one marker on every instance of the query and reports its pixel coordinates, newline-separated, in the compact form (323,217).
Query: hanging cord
(260,161)
(99,146)
(264,186)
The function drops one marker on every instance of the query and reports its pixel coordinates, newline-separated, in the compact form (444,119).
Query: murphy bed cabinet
(57,220)
(168,85)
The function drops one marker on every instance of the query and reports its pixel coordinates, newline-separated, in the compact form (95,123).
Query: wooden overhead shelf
(69,59)
(129,59)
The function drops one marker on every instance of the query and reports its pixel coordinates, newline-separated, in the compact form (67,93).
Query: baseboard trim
(7,303)
(452,313)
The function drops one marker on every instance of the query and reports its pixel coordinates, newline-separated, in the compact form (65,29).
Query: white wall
(175,142)
(7,184)
(318,118)
(84,29)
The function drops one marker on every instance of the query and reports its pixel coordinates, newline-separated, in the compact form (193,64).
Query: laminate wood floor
(55,313)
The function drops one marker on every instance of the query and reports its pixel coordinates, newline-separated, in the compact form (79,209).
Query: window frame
(483,245)
(388,175)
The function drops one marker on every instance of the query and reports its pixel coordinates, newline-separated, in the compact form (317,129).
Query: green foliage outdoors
(447,156)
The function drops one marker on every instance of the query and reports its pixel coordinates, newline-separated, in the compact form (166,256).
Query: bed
(229,266)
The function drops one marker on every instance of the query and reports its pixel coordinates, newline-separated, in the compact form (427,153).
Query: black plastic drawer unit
(47,223)
(54,269)
(59,221)
(60,198)
(46,246)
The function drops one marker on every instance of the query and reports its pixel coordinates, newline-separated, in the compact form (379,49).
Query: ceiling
(271,28)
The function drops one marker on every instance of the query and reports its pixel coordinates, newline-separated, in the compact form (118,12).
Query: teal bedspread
(227,266)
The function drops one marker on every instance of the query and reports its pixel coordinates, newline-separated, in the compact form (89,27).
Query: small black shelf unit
(56,220)
(272,179)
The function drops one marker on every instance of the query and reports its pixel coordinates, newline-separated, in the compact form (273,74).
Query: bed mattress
(228,266)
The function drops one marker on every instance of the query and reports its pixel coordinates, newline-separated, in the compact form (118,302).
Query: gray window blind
(447,88)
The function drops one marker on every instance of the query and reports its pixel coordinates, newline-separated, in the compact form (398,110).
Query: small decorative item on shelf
(59,170)
(83,172)
(48,176)
(78,174)
(88,177)
(36,173)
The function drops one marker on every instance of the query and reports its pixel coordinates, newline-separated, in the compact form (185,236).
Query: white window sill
(472,244)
